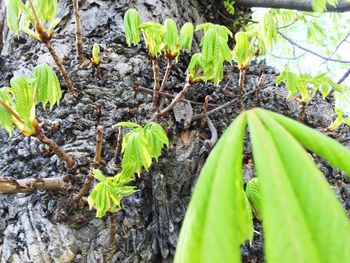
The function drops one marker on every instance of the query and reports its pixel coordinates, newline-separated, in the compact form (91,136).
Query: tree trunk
(39,227)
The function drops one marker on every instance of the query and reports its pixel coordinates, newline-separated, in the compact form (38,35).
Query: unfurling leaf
(13,9)
(48,89)
(108,193)
(132,22)
(153,33)
(5,116)
(253,193)
(140,145)
(242,52)
(170,39)
(186,36)
(96,54)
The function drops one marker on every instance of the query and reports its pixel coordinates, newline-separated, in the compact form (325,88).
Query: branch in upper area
(300,5)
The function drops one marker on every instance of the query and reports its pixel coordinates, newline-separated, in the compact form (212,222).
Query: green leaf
(153,33)
(48,89)
(217,222)
(186,36)
(23,93)
(170,39)
(253,193)
(132,22)
(332,151)
(268,30)
(5,117)
(13,11)
(96,54)
(294,195)
(291,81)
(108,193)
(46,9)
(241,51)
(127,125)
(136,152)
(156,138)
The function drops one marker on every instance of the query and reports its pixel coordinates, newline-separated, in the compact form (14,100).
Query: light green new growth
(96,54)
(17,104)
(142,144)
(298,206)
(108,193)
(170,39)
(132,22)
(320,5)
(186,36)
(139,146)
(253,193)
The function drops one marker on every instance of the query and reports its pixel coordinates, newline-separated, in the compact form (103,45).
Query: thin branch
(344,77)
(177,98)
(311,51)
(204,112)
(118,148)
(139,88)
(258,89)
(12,186)
(166,75)
(62,69)
(300,5)
(241,88)
(94,165)
(78,34)
(61,154)
(156,86)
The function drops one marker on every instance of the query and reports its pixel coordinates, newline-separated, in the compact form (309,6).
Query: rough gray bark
(39,228)
(300,5)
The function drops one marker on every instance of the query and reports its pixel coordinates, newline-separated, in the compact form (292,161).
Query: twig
(139,88)
(156,86)
(177,98)
(344,77)
(95,163)
(204,112)
(241,88)
(258,89)
(78,34)
(166,75)
(63,71)
(12,186)
(199,116)
(118,148)
(61,154)
(311,51)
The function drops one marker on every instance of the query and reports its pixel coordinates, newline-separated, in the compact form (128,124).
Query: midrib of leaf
(260,137)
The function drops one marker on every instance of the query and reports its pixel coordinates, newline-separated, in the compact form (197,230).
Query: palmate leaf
(5,117)
(217,220)
(186,36)
(322,226)
(156,138)
(108,193)
(132,22)
(142,144)
(136,152)
(170,38)
(302,219)
(48,89)
(268,30)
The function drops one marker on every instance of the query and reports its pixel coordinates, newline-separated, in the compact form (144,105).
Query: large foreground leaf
(217,222)
(302,219)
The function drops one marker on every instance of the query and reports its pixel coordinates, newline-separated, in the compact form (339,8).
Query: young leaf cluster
(139,147)
(18,102)
(291,193)
(160,39)
(36,18)
(108,193)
